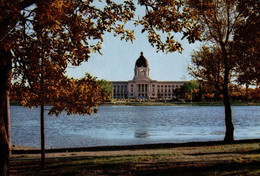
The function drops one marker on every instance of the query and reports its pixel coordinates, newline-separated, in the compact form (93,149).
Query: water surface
(126,125)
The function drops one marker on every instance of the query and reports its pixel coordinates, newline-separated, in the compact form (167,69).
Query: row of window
(120,86)
(118,90)
(143,94)
(119,95)
(160,89)
(165,90)
(169,86)
(125,86)
(144,90)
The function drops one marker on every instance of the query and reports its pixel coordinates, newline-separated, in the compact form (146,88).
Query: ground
(211,158)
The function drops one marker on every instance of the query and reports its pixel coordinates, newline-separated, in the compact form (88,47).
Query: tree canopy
(49,36)
(246,43)
(208,66)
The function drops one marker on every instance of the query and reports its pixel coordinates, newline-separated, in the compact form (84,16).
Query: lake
(128,125)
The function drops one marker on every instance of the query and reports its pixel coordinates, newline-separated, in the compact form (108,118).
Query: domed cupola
(141,61)
(141,69)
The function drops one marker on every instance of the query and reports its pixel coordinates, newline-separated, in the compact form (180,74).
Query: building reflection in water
(141,133)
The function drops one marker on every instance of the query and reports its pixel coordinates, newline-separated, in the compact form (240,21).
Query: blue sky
(119,57)
(118,60)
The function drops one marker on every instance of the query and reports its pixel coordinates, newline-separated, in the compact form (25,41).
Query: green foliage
(106,86)
(191,85)
(184,92)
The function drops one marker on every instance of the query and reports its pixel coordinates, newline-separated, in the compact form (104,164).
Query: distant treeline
(195,91)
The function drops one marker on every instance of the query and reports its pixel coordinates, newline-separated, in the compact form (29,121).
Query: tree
(45,37)
(69,95)
(106,85)
(220,21)
(255,94)
(213,21)
(190,86)
(185,91)
(208,66)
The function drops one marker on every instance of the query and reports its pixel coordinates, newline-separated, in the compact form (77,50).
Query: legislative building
(142,86)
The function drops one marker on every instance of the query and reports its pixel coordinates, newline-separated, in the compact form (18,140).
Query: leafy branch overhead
(170,17)
(45,37)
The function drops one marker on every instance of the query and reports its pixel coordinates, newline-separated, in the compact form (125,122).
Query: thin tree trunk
(42,115)
(200,92)
(42,138)
(8,122)
(5,79)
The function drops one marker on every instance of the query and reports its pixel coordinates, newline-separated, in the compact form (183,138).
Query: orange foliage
(70,95)
(168,16)
(255,94)
(45,37)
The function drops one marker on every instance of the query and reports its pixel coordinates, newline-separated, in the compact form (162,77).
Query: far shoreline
(177,103)
(167,103)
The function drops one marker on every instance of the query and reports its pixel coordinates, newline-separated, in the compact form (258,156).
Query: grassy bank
(241,158)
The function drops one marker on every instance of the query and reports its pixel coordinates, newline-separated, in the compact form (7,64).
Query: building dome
(141,61)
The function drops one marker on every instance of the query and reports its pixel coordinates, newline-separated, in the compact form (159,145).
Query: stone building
(142,86)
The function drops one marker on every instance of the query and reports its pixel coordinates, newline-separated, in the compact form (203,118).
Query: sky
(118,59)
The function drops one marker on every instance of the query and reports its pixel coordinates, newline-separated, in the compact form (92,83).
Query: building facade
(142,86)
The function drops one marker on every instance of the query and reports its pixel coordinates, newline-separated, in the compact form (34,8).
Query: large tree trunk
(5,79)
(229,135)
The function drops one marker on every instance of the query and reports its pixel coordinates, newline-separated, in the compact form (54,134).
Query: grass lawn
(203,159)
